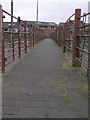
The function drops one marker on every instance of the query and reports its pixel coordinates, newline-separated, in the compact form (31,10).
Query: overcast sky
(49,10)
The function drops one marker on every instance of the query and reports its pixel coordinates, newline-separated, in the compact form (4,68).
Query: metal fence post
(89,55)
(19,38)
(25,36)
(2,49)
(33,35)
(60,37)
(12,41)
(64,39)
(30,36)
(75,41)
(1,36)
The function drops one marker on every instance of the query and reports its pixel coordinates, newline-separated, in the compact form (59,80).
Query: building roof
(42,23)
(61,23)
(35,23)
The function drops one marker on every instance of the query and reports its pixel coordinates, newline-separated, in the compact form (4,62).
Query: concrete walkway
(44,85)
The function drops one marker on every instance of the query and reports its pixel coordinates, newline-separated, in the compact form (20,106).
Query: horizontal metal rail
(13,43)
(83,63)
(84,15)
(70,17)
(74,36)
(9,14)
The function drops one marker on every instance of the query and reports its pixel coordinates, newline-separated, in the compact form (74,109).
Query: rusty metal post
(33,35)
(12,38)
(19,38)
(25,36)
(58,35)
(89,54)
(30,36)
(1,14)
(64,39)
(13,45)
(76,33)
(89,59)
(1,36)
(2,49)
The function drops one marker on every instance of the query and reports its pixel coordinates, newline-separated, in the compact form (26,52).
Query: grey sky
(49,10)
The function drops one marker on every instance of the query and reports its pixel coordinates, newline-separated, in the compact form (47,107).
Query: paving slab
(44,85)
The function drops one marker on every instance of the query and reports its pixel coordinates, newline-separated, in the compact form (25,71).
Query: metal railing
(83,42)
(74,36)
(16,39)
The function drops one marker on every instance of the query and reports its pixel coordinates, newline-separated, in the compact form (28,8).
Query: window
(52,27)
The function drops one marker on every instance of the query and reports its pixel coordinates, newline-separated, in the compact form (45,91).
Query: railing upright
(33,35)
(25,36)
(89,57)
(76,33)
(2,50)
(64,41)
(19,38)
(30,37)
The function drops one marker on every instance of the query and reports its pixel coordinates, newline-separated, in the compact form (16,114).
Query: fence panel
(74,36)
(16,38)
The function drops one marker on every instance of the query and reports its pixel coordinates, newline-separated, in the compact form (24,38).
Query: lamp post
(12,39)
(89,11)
(37,12)
(12,15)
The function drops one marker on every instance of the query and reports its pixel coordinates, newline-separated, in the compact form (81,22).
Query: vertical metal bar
(19,38)
(60,37)
(30,36)
(76,33)
(2,48)
(36,35)
(89,53)
(12,34)
(25,37)
(89,58)
(12,14)
(37,13)
(64,40)
(56,35)
(0,35)
(33,35)
(13,46)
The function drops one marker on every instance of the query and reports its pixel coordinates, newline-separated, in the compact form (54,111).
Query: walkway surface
(44,85)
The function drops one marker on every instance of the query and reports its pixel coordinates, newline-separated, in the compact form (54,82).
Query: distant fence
(18,39)
(74,37)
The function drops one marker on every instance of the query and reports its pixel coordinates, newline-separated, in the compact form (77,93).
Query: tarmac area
(43,84)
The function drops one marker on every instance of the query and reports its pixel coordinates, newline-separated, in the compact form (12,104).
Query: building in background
(47,27)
